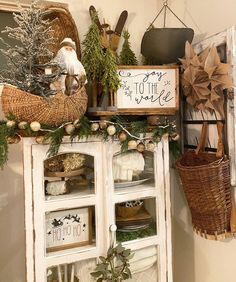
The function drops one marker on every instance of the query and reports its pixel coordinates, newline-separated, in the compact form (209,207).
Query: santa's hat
(68,42)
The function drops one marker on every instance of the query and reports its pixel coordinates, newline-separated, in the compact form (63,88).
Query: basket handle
(202,141)
(220,145)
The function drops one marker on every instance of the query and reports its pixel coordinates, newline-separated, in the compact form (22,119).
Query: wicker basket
(206,183)
(60,108)
(28,107)
(63,26)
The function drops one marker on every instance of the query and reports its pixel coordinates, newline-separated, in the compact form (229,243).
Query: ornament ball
(122,136)
(111,130)
(103,124)
(39,139)
(141,147)
(35,126)
(22,125)
(94,126)
(132,144)
(10,123)
(76,123)
(150,146)
(69,128)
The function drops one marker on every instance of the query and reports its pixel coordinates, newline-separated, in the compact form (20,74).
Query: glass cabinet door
(68,219)
(138,198)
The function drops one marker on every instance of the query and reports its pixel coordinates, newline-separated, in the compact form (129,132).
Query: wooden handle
(202,141)
(220,144)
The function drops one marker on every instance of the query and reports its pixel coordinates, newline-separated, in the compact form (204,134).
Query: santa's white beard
(68,61)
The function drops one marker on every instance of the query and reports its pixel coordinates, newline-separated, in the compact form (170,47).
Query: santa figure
(73,74)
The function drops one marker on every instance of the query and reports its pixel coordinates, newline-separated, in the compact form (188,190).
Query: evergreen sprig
(110,78)
(92,55)
(3,145)
(127,56)
(55,138)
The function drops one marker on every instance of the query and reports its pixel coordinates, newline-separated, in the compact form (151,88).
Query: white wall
(140,14)
(206,17)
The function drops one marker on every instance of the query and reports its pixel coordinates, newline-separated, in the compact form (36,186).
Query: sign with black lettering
(148,88)
(68,228)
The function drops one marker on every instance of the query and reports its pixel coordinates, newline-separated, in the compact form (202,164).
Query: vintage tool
(109,37)
(115,37)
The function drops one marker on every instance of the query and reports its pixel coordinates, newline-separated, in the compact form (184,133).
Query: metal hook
(165,3)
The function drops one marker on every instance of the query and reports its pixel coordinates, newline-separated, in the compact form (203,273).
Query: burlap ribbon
(204,79)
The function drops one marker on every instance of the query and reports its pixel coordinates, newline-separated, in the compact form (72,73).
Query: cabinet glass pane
(77,271)
(68,175)
(69,229)
(136,219)
(133,170)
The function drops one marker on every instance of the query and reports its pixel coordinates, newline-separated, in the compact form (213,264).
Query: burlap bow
(204,79)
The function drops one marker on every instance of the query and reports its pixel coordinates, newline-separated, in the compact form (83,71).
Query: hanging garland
(132,135)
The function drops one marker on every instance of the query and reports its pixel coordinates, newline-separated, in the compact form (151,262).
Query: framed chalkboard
(148,89)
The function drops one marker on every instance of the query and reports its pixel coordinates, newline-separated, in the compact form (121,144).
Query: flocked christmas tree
(92,57)
(26,60)
(127,56)
(110,79)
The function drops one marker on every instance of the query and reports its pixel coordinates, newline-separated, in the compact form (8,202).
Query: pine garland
(55,138)
(134,130)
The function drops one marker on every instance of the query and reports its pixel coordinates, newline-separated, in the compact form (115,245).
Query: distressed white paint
(104,200)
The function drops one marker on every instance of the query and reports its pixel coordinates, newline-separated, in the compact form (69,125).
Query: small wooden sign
(148,89)
(68,229)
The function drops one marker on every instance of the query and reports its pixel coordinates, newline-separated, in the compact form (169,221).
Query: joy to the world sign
(148,89)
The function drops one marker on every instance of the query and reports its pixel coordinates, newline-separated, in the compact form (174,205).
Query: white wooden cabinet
(102,196)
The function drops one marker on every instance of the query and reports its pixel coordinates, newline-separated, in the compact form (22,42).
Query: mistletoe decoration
(204,79)
(132,135)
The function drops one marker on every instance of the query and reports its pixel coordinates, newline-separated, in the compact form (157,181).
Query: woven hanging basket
(206,182)
(55,111)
